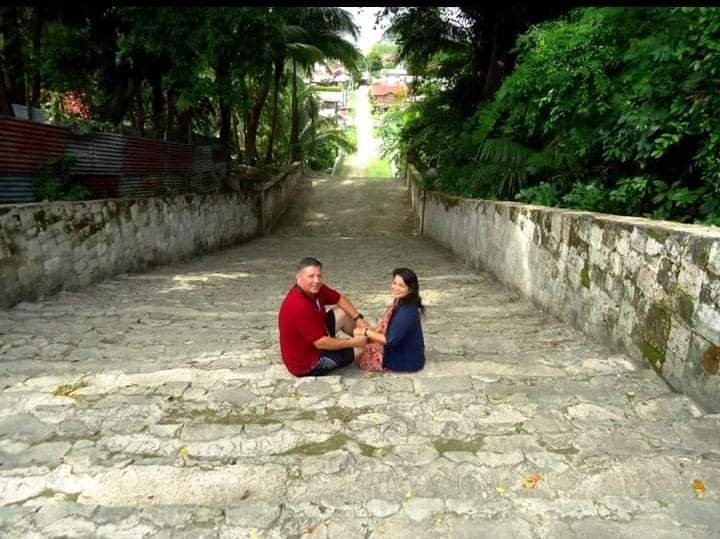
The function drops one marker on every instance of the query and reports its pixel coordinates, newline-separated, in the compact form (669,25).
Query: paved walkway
(155,405)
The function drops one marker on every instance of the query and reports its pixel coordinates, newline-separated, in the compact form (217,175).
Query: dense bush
(609,109)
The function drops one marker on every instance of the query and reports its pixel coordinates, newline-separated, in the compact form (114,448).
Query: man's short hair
(308,261)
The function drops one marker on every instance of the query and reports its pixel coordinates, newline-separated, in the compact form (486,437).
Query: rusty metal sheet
(16,188)
(26,146)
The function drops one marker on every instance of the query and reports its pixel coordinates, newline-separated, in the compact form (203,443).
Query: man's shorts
(331,359)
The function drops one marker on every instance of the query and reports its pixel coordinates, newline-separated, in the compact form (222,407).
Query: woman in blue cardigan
(396,344)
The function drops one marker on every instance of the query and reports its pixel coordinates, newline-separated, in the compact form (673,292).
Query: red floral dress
(371,358)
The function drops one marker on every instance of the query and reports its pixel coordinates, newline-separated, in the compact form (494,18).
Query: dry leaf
(184,453)
(698,487)
(532,480)
(245,494)
(500,491)
(408,494)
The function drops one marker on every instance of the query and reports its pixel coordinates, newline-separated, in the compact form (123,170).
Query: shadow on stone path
(155,404)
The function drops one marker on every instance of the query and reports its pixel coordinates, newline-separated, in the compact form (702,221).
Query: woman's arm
(405,319)
(371,334)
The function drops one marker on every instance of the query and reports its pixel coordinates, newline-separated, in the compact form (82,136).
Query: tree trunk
(170,119)
(184,121)
(279,63)
(158,104)
(122,98)
(251,152)
(140,108)
(492,72)
(222,76)
(13,66)
(5,106)
(295,119)
(238,135)
(37,23)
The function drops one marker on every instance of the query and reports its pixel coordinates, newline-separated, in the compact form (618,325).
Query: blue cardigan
(405,347)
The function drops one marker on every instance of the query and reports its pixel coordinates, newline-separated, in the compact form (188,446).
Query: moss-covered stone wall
(649,288)
(50,246)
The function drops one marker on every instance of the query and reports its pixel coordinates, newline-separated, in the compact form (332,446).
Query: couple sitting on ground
(312,312)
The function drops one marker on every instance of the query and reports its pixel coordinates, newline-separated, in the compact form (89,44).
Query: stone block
(707,322)
(691,278)
(636,238)
(713,264)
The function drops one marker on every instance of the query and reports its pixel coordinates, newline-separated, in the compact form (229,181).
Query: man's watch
(357,317)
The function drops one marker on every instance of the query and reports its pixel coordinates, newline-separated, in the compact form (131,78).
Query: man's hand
(359,341)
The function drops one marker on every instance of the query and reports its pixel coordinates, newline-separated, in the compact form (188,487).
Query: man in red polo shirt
(307,328)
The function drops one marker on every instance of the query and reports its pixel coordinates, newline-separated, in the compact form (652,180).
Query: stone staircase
(155,405)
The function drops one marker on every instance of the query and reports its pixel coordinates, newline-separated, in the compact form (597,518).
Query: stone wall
(648,288)
(46,247)
(276,194)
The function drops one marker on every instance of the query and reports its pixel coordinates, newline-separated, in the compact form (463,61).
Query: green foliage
(588,196)
(323,141)
(609,109)
(55,181)
(543,194)
(382,55)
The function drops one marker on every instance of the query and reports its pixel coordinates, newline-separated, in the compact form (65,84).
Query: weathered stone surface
(623,280)
(170,415)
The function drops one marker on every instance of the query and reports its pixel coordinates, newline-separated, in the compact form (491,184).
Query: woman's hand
(361,324)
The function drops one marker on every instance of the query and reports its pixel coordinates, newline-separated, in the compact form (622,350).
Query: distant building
(384,95)
(332,74)
(396,75)
(330,103)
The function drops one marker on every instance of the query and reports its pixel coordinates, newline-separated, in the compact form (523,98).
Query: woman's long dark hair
(411,280)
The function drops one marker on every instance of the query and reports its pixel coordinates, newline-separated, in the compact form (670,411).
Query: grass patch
(443,445)
(378,168)
(337,441)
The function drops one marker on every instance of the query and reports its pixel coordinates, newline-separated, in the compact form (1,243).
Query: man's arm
(331,343)
(346,305)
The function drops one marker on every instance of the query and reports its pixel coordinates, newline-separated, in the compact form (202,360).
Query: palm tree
(323,39)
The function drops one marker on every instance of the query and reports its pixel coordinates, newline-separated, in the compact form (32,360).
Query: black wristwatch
(357,317)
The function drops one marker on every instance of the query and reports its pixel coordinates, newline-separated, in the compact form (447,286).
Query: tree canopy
(609,109)
(172,71)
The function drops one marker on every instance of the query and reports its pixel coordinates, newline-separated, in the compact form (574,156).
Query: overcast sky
(365,19)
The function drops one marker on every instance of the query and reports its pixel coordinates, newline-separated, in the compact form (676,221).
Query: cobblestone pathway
(155,405)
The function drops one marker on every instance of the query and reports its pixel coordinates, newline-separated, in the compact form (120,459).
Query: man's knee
(343,321)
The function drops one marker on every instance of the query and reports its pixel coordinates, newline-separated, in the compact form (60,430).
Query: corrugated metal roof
(102,154)
(16,188)
(108,164)
(26,146)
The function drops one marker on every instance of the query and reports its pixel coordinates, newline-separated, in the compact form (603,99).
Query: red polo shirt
(301,321)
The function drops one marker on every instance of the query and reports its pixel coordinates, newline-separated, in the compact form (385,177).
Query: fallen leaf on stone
(381,528)
(245,494)
(500,491)
(698,487)
(408,494)
(532,480)
(67,390)
(184,453)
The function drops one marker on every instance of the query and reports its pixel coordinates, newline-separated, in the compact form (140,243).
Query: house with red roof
(384,95)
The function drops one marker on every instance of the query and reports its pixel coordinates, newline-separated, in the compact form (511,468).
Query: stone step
(410,517)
